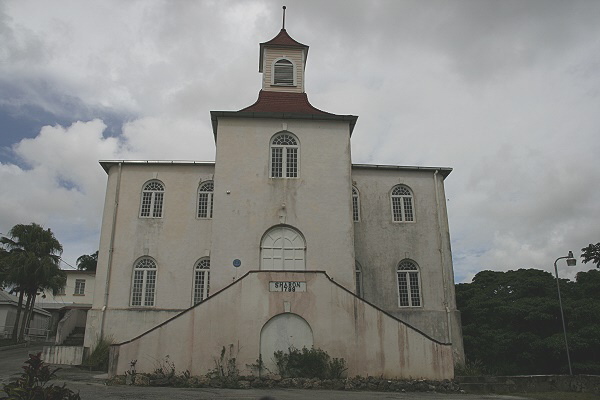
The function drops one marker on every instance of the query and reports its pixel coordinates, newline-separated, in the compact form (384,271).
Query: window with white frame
(282,248)
(355,205)
(283,72)
(205,200)
(358,277)
(201,280)
(79,287)
(152,200)
(144,283)
(409,287)
(402,204)
(284,156)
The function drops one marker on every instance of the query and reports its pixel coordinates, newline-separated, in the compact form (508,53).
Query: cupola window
(283,72)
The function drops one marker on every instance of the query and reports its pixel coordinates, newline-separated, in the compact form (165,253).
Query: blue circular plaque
(237,263)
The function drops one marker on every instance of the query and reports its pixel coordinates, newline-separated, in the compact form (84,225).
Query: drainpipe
(442,257)
(111,249)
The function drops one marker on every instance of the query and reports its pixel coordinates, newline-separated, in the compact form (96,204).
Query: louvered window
(284,156)
(205,200)
(409,290)
(152,200)
(144,283)
(402,204)
(283,72)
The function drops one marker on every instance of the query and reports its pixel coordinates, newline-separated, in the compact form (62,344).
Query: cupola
(282,61)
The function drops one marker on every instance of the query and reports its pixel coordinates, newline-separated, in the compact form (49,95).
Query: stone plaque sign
(287,286)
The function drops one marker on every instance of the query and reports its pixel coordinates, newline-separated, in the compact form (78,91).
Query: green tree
(88,262)
(591,253)
(511,321)
(31,265)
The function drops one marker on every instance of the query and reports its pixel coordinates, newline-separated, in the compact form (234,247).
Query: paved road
(91,386)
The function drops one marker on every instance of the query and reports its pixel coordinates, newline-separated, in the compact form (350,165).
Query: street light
(571,261)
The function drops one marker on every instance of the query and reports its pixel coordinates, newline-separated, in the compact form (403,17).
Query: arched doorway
(282,248)
(282,332)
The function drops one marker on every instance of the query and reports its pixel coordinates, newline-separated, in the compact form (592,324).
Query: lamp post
(571,261)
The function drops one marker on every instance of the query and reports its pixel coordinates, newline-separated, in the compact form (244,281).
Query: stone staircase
(75,338)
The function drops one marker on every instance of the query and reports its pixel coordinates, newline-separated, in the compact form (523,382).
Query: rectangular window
(276,162)
(79,287)
(403,290)
(158,204)
(138,284)
(200,286)
(408,210)
(397,209)
(292,162)
(415,298)
(204,205)
(146,203)
(355,213)
(150,286)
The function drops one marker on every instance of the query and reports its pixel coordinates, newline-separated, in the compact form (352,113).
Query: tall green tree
(31,266)
(511,321)
(88,262)
(591,253)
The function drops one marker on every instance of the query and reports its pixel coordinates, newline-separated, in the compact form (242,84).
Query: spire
(283,25)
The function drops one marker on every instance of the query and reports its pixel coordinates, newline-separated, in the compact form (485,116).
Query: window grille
(355,205)
(79,287)
(144,283)
(284,156)
(201,280)
(205,200)
(152,200)
(402,204)
(409,293)
(283,73)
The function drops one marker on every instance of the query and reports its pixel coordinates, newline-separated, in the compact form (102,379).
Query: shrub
(33,383)
(98,359)
(305,363)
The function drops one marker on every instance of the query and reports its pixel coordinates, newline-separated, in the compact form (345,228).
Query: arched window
(409,289)
(402,204)
(205,200)
(201,280)
(283,72)
(152,200)
(282,248)
(358,277)
(144,283)
(355,205)
(284,156)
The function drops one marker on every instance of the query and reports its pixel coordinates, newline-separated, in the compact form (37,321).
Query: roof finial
(283,27)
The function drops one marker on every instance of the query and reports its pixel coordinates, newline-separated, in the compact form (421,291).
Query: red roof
(283,39)
(282,102)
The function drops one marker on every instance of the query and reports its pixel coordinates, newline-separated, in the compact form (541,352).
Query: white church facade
(280,242)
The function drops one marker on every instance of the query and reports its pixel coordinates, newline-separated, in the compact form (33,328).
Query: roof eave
(215,115)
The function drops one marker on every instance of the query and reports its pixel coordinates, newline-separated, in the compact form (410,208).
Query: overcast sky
(505,92)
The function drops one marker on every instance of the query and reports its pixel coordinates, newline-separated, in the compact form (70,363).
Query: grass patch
(98,359)
(558,395)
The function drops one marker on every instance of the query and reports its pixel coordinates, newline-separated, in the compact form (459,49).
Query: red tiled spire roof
(283,39)
(283,102)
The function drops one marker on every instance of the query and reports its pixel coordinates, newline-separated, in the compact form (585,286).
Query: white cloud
(507,93)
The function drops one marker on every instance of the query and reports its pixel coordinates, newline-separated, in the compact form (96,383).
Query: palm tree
(32,264)
(88,262)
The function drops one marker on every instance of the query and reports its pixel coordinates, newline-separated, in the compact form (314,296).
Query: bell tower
(282,61)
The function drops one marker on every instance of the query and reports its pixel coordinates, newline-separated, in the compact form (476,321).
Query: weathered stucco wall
(247,202)
(175,241)
(371,342)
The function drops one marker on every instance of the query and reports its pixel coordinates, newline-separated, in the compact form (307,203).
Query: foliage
(305,363)
(591,253)
(511,322)
(33,383)
(98,359)
(88,262)
(30,265)
(226,364)
(471,368)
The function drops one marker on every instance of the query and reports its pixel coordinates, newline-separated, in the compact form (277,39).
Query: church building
(281,242)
